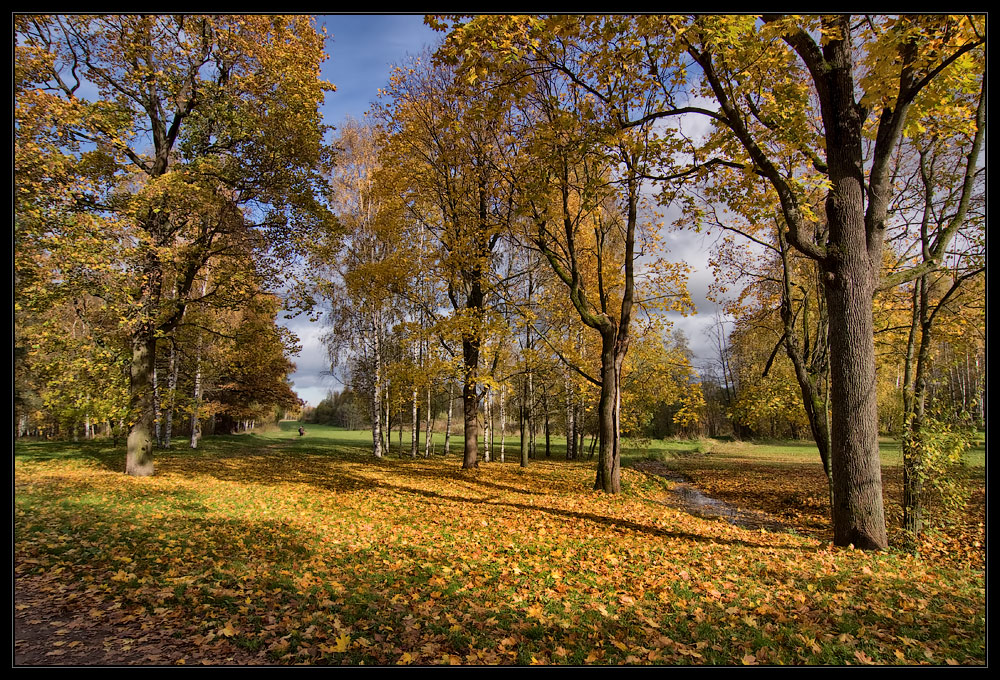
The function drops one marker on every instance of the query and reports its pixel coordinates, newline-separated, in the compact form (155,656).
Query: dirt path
(60,624)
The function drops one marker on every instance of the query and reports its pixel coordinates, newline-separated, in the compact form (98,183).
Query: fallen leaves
(344,566)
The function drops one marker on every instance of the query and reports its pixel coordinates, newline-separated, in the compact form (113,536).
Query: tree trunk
(139,456)
(168,425)
(488,426)
(415,426)
(157,413)
(503,420)
(470,404)
(858,514)
(400,437)
(851,266)
(429,419)
(545,409)
(523,417)
(388,413)
(570,423)
(470,394)
(608,459)
(447,427)
(376,404)
(531,414)
(196,395)
(813,375)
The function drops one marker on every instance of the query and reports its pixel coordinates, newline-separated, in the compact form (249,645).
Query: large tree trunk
(858,515)
(608,459)
(139,456)
(470,404)
(852,269)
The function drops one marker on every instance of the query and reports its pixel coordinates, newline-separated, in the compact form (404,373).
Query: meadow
(270,548)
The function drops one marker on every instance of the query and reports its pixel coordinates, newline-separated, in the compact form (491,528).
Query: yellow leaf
(343,642)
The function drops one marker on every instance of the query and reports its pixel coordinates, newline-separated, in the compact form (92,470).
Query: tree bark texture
(139,455)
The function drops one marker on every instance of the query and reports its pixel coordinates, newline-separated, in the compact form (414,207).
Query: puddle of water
(684,496)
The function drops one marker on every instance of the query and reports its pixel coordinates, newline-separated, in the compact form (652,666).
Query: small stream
(683,495)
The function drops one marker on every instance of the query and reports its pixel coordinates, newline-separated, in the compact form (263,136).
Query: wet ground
(685,496)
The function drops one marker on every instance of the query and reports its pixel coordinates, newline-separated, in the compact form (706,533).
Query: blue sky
(362,49)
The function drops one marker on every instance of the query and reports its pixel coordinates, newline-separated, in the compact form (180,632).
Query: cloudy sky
(362,50)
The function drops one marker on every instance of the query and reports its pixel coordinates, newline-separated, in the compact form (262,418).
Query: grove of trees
(487,244)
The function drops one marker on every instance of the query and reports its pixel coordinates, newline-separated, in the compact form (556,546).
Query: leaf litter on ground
(287,555)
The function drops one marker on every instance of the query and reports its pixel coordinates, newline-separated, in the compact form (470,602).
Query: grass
(271,548)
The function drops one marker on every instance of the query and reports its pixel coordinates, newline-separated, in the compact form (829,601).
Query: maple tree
(195,132)
(448,140)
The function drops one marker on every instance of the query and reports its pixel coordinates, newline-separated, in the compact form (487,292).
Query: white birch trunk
(196,394)
(377,389)
(429,433)
(171,390)
(488,426)
(503,419)
(156,408)
(447,427)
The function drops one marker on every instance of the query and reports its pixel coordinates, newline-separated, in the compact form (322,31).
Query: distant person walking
(302,431)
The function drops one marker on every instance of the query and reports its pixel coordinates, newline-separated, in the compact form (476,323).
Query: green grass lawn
(270,548)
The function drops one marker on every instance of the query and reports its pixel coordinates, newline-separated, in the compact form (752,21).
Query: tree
(448,135)
(254,366)
(790,101)
(203,130)
(948,196)
(360,266)
(761,75)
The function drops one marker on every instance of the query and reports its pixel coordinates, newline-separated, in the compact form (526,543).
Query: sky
(362,49)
